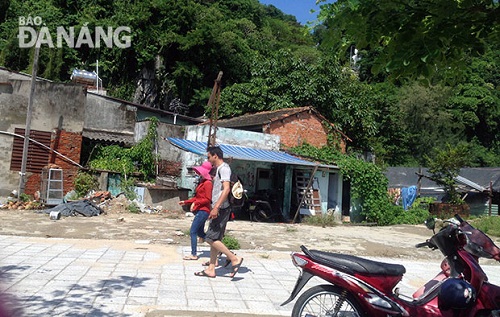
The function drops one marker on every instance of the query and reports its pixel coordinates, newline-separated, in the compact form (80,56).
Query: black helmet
(456,293)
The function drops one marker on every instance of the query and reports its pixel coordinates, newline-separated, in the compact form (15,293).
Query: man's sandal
(203,274)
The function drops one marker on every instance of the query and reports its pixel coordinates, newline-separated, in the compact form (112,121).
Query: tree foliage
(288,80)
(270,62)
(415,38)
(177,47)
(445,164)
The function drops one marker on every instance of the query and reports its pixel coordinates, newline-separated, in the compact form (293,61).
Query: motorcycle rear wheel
(322,301)
(260,214)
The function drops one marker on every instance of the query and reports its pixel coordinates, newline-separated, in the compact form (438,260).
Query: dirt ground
(172,228)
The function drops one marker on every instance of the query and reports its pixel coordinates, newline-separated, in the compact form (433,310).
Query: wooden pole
(214,103)
(29,112)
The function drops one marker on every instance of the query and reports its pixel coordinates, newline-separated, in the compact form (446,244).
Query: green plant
(133,208)
(231,242)
(140,158)
(127,186)
(444,166)
(488,224)
(85,182)
(320,220)
(422,203)
(24,197)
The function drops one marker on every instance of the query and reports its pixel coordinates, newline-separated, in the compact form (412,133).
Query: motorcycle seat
(354,265)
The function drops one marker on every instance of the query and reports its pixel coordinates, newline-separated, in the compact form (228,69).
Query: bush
(487,224)
(231,242)
(24,197)
(133,208)
(127,186)
(84,183)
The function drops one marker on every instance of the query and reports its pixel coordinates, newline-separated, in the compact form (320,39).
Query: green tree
(416,38)
(429,123)
(287,80)
(445,164)
(177,47)
(391,143)
(475,103)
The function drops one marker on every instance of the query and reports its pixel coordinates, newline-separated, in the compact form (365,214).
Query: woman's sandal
(190,258)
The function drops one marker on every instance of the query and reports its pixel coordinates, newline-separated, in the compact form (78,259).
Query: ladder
(52,186)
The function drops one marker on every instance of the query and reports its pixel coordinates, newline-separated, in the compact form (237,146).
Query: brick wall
(296,129)
(68,144)
(33,182)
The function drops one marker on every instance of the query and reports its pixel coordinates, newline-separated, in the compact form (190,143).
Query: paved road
(66,277)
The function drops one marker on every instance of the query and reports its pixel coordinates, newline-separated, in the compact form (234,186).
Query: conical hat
(237,190)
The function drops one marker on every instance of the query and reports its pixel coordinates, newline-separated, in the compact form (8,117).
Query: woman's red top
(202,197)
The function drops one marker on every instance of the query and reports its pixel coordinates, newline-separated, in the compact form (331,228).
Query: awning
(241,152)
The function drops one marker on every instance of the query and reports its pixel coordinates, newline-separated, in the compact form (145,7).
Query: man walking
(219,215)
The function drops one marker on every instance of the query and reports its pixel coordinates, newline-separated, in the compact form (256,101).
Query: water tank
(84,77)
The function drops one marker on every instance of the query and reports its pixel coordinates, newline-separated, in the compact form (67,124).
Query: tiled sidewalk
(63,277)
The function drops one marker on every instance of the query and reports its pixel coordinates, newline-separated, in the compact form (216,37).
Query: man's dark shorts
(217,226)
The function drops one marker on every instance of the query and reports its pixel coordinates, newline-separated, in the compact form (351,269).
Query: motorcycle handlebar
(423,244)
(426,244)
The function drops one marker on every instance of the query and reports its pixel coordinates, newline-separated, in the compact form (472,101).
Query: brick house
(294,126)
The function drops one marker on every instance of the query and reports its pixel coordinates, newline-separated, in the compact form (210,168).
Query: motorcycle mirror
(430,223)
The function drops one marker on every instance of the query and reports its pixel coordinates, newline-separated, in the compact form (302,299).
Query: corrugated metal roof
(112,136)
(465,181)
(476,178)
(242,153)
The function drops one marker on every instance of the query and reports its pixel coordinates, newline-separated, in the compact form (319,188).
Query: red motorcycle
(362,287)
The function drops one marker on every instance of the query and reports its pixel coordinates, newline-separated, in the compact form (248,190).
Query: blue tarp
(408,195)
(241,152)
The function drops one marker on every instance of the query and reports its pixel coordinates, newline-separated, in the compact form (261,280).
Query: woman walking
(200,206)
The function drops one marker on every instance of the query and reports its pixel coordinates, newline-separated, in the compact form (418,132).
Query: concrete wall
(168,199)
(54,105)
(109,119)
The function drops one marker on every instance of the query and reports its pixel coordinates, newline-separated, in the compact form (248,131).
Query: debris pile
(103,200)
(20,205)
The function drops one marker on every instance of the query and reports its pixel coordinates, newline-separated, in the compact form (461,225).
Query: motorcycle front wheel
(327,301)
